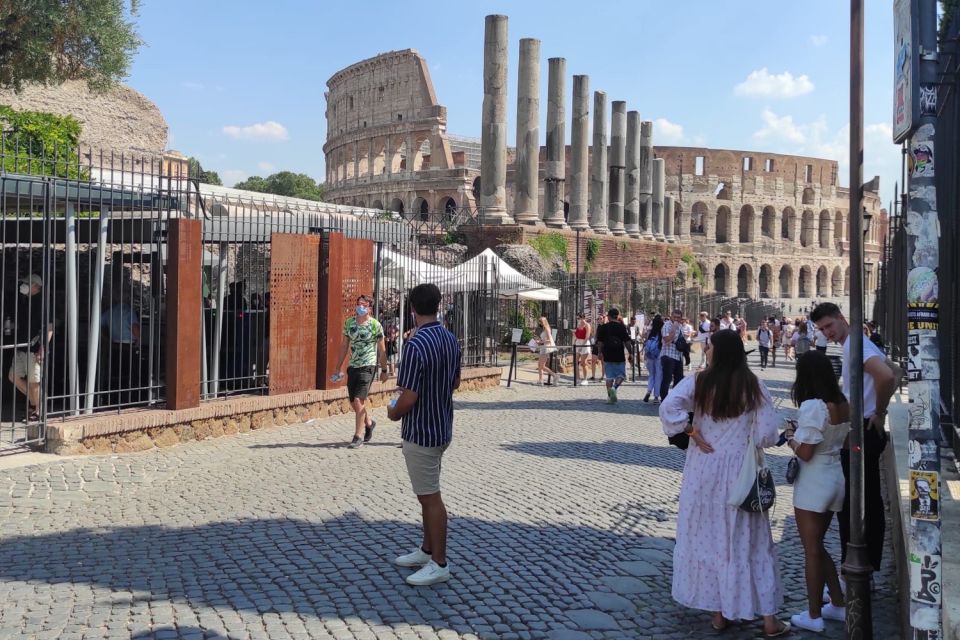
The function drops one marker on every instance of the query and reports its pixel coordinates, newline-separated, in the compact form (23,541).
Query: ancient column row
(618,188)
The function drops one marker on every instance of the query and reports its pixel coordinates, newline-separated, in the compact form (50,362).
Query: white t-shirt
(870,350)
(820,338)
(704,331)
(763,337)
(725,324)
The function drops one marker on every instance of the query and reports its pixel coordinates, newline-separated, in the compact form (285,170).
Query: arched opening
(396,205)
(766,275)
(822,282)
(448,205)
(566,211)
(378,163)
(744,280)
(809,195)
(826,226)
(806,282)
(723,224)
(476,190)
(697,216)
(421,207)
(421,158)
(746,223)
(836,283)
(788,225)
(838,227)
(720,279)
(377,204)
(786,278)
(768,222)
(807,228)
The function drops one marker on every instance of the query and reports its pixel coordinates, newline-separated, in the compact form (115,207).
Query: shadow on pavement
(611,451)
(509,577)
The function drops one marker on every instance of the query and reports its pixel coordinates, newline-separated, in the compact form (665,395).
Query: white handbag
(754,490)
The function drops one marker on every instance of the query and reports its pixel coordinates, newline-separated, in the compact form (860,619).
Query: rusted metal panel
(184,303)
(347,272)
(294,312)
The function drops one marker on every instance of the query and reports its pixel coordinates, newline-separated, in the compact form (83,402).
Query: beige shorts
(423,466)
(25,365)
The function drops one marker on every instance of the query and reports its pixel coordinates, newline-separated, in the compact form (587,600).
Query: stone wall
(143,430)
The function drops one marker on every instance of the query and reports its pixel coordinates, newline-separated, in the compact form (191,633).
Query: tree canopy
(285,183)
(51,41)
(196,170)
(40,143)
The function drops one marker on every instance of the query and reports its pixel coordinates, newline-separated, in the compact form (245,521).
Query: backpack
(681,342)
(652,347)
(803,344)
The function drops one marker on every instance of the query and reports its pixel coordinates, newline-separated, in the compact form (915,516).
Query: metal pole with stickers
(915,119)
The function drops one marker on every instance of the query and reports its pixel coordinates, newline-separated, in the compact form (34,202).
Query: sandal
(783,630)
(722,626)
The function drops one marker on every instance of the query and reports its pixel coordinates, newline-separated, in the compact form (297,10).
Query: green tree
(285,183)
(40,143)
(50,41)
(196,170)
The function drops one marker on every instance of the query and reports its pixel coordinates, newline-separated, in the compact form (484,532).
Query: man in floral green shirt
(364,338)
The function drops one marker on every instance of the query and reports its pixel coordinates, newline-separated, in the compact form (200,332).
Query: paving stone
(282,533)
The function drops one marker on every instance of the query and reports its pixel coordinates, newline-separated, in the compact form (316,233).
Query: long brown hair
(727,388)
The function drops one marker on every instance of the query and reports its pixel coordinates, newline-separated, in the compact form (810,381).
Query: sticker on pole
(924,495)
(922,164)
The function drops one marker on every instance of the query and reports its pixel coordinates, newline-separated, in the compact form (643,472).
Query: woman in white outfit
(822,426)
(547,347)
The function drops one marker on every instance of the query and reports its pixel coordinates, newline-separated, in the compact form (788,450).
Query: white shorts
(25,365)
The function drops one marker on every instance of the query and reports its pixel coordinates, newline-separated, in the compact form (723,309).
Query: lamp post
(857,567)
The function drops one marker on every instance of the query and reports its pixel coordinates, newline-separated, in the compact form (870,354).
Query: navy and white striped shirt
(430,364)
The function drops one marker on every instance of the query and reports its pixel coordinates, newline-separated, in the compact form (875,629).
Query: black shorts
(359,380)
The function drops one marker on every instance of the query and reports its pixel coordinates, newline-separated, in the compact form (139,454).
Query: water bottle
(337,377)
(393,400)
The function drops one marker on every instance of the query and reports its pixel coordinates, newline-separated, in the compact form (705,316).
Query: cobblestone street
(562,507)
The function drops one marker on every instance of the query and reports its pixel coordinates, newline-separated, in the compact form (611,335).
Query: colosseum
(760,225)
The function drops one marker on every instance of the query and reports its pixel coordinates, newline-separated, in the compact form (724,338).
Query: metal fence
(83,292)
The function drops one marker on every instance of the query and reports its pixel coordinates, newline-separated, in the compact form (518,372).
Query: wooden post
(184,306)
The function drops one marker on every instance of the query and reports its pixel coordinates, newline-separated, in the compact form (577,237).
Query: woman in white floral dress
(724,560)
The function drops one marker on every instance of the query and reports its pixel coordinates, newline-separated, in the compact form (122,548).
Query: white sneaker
(414,559)
(584,383)
(843,589)
(804,621)
(830,612)
(432,573)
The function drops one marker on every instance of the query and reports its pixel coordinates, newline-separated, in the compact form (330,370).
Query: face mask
(361,310)
(24,288)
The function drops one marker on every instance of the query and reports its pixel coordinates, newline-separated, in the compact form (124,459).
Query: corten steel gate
(294,309)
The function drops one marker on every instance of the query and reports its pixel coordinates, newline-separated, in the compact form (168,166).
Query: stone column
(526,174)
(684,231)
(657,199)
(579,152)
(631,198)
(388,155)
(555,172)
(617,165)
(493,128)
(668,218)
(598,165)
(646,179)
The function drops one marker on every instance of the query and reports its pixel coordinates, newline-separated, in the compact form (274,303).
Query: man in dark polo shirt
(429,374)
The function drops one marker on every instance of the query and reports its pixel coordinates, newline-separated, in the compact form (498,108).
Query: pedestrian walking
(595,351)
(802,342)
(547,349)
(671,359)
(612,341)
(688,332)
(724,560)
(822,424)
(777,332)
(879,383)
(788,331)
(652,345)
(581,343)
(363,337)
(764,340)
(428,377)
(703,334)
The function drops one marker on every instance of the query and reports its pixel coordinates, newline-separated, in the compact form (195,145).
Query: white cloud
(818,40)
(779,129)
(666,132)
(233,176)
(762,84)
(268,130)
(265,166)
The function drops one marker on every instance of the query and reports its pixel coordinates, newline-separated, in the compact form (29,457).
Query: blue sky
(241,83)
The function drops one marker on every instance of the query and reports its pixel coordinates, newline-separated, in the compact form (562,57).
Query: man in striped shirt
(429,374)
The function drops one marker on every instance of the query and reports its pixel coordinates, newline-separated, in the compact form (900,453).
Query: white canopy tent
(488,268)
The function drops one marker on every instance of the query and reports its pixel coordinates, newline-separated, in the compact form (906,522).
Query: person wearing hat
(28,355)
